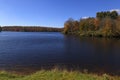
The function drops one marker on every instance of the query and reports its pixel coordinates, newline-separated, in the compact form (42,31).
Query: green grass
(56,75)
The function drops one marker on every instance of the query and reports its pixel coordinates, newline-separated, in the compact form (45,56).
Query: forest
(0,29)
(105,24)
(31,29)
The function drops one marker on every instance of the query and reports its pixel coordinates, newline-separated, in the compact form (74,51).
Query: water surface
(30,51)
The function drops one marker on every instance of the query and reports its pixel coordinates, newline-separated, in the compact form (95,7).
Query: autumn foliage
(105,24)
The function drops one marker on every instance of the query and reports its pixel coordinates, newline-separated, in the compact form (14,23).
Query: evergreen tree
(114,15)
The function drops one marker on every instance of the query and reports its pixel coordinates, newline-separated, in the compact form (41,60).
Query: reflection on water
(27,51)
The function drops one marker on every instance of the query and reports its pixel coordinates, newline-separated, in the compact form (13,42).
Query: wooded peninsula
(105,24)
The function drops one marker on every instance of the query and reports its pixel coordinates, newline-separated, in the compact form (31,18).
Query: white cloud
(85,17)
(118,10)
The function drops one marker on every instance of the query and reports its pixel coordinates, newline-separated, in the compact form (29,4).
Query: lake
(31,51)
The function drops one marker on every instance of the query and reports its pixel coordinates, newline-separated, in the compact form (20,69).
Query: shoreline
(93,35)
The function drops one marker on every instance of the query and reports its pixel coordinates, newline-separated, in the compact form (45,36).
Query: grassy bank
(56,75)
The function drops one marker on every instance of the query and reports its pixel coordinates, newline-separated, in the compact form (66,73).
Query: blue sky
(51,13)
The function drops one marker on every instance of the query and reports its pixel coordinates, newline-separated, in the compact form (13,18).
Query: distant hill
(31,29)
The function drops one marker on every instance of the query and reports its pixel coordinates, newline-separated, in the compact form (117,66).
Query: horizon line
(31,26)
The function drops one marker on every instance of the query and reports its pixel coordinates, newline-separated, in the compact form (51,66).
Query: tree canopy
(101,15)
(105,24)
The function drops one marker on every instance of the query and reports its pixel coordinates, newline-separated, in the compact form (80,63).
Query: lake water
(31,51)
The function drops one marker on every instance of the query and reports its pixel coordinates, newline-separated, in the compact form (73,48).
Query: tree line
(105,24)
(0,29)
(31,29)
